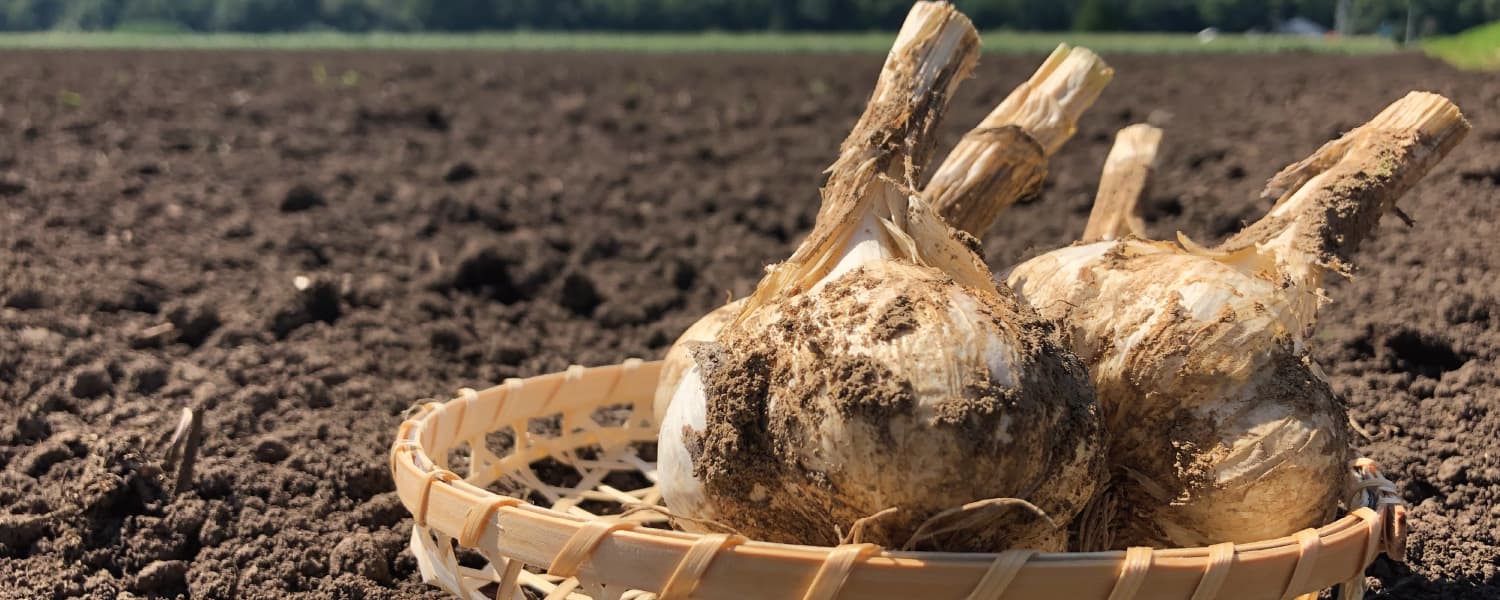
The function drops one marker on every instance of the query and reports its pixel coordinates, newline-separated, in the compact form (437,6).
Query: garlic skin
(678,360)
(1221,428)
(887,384)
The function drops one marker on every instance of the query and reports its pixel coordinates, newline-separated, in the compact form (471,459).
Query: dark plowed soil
(460,219)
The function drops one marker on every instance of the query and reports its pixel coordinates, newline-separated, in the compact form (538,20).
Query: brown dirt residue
(860,387)
(729,456)
(900,318)
(1375,170)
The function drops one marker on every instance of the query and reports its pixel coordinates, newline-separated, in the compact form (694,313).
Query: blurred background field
(1477,48)
(755,26)
(1008,42)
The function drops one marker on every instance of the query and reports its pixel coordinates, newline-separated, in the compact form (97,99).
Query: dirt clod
(91,382)
(460,172)
(18,532)
(301,197)
(271,450)
(161,577)
(360,555)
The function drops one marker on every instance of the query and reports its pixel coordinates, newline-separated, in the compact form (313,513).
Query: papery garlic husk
(1221,429)
(882,368)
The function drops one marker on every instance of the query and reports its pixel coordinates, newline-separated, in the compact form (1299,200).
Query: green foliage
(1097,15)
(1477,48)
(724,15)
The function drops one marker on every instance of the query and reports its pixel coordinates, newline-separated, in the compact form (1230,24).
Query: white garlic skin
(1220,427)
(677,361)
(891,386)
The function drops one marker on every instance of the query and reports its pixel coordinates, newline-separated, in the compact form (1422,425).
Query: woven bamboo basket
(588,535)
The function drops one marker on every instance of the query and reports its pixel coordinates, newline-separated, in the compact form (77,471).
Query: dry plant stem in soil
(1000,161)
(1221,428)
(1127,172)
(881,367)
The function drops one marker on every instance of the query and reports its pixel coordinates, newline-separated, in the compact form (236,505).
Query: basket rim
(647,558)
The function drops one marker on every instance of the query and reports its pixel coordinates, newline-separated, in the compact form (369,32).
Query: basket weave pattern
(611,552)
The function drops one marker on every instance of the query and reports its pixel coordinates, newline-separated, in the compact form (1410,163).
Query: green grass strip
(706,42)
(1477,48)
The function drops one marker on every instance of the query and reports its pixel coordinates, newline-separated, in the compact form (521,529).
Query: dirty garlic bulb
(1220,427)
(880,372)
(999,162)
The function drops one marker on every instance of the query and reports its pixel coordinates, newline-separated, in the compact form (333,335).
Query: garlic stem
(1004,159)
(1127,171)
(935,49)
(1330,202)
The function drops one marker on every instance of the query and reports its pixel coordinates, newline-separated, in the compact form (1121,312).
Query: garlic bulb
(880,367)
(1220,426)
(999,162)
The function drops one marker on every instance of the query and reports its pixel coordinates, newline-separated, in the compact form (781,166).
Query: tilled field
(461,219)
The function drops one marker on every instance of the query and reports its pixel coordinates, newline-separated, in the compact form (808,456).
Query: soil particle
(900,318)
(859,387)
(301,197)
(11,187)
(19,532)
(194,322)
(42,457)
(27,299)
(360,555)
(319,301)
(579,295)
(729,455)
(91,382)
(163,577)
(460,172)
(271,450)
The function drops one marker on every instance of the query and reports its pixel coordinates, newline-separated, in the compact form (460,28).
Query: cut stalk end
(934,51)
(1127,172)
(1331,201)
(1004,159)
(1048,105)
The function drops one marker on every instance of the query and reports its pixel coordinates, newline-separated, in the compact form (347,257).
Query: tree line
(1428,16)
